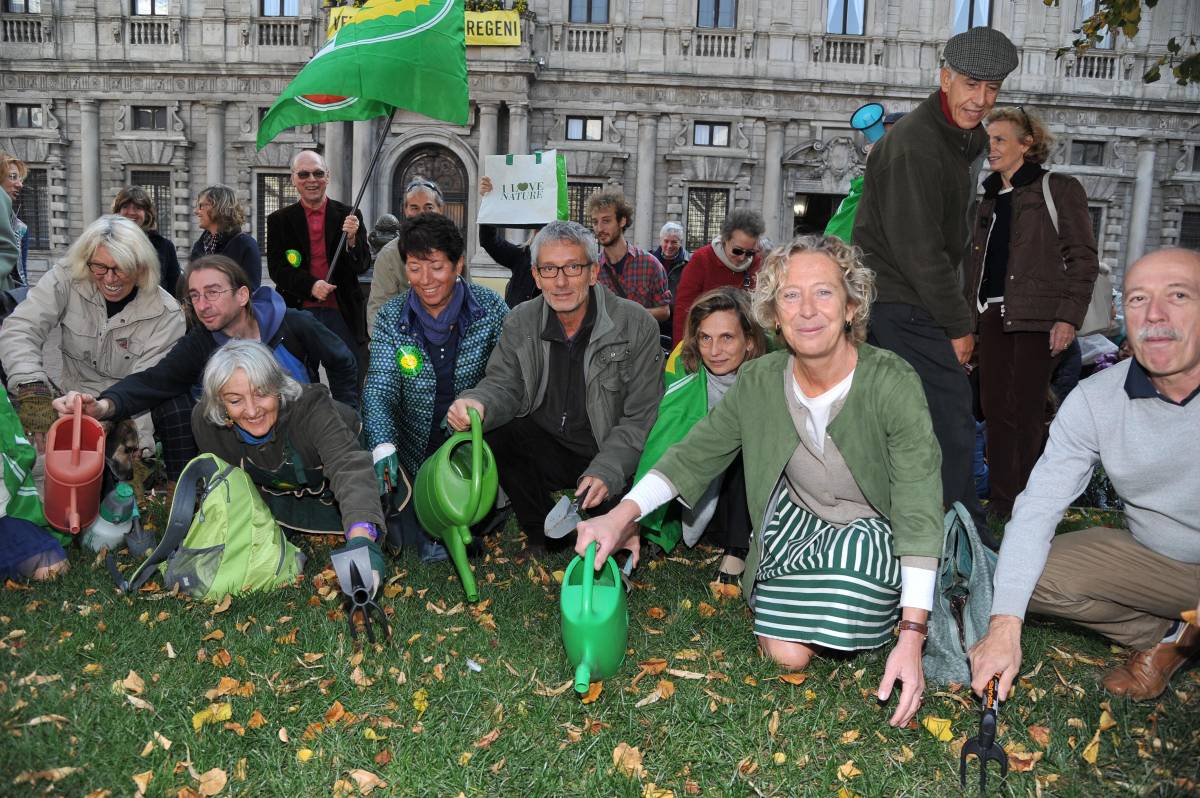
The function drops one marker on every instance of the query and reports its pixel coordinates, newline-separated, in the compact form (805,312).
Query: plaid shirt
(643,280)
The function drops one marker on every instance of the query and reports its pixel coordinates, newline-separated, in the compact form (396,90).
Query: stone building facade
(691,107)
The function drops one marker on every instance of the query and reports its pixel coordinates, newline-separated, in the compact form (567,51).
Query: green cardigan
(883,432)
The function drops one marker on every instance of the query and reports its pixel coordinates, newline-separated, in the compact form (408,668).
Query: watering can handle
(589,578)
(476,460)
(78,430)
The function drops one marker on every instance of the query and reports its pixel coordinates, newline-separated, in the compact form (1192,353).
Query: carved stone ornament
(173,111)
(116,30)
(832,162)
(122,121)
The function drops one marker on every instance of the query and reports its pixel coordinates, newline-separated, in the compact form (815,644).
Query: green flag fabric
(408,54)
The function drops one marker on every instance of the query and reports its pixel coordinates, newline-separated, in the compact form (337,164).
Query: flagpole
(361,190)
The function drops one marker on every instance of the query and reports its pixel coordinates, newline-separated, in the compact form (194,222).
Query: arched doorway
(440,165)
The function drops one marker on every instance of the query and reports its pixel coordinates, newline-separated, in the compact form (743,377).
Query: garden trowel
(562,520)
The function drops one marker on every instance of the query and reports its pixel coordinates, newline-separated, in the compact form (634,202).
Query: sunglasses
(319,174)
(738,252)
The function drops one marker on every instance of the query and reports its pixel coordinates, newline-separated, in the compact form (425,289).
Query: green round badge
(293,258)
(408,360)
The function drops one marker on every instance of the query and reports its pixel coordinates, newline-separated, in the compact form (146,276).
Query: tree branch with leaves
(1124,18)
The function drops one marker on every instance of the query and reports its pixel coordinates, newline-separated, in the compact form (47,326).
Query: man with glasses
(731,259)
(571,389)
(628,271)
(914,228)
(301,241)
(220,299)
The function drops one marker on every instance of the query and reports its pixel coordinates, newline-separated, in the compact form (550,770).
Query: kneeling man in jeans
(571,389)
(1138,420)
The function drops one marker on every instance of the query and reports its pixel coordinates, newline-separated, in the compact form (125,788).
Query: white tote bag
(527,190)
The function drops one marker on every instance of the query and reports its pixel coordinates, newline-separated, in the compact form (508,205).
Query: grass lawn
(110,687)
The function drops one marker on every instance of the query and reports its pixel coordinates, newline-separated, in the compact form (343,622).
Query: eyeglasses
(571,270)
(319,174)
(210,295)
(421,182)
(738,252)
(1025,116)
(102,269)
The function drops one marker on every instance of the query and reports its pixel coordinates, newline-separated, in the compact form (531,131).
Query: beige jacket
(96,350)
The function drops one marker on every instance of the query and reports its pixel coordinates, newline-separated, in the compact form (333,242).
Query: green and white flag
(409,54)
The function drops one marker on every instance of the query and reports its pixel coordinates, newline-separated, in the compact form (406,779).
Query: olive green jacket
(883,432)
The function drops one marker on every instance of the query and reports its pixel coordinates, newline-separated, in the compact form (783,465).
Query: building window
(585,128)
(158,185)
(1097,214)
(1087,9)
(149,8)
(716,14)
(1087,153)
(1189,229)
(706,209)
(33,208)
(577,197)
(24,115)
(972,14)
(149,117)
(594,12)
(23,6)
(710,134)
(846,17)
(275,191)
(281,8)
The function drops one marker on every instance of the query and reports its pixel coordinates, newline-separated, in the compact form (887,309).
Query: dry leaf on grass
(213,713)
(366,781)
(1040,735)
(213,781)
(133,683)
(57,720)
(1091,751)
(593,692)
(939,728)
(773,723)
(304,754)
(665,689)
(51,775)
(847,770)
(1020,760)
(651,790)
(139,703)
(657,613)
(793,678)
(628,760)
(706,610)
(552,692)
(850,736)
(142,780)
(222,605)
(488,739)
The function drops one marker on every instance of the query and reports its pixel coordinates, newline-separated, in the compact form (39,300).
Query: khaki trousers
(1105,580)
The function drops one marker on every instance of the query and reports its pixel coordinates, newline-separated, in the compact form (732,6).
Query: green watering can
(595,618)
(454,489)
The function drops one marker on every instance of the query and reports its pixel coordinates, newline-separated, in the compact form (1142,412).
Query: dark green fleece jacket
(912,222)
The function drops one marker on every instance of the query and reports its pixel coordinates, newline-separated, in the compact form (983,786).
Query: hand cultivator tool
(984,746)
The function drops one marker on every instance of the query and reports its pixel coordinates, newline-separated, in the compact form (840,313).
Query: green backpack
(230,544)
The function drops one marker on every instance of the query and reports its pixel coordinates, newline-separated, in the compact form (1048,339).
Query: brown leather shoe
(1146,673)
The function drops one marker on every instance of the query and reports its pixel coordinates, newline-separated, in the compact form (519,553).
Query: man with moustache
(571,389)
(913,227)
(1138,420)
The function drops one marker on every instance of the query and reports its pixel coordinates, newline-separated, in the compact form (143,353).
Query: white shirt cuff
(381,451)
(916,587)
(650,493)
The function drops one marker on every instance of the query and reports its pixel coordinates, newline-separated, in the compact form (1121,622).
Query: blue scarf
(437,331)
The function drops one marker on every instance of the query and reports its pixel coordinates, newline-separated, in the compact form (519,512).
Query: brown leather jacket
(1049,274)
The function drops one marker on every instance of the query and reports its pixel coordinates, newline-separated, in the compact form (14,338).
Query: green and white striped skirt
(824,585)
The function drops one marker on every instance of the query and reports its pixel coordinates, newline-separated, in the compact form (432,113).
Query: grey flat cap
(982,54)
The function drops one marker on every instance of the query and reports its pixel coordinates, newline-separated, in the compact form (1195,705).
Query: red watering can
(74,471)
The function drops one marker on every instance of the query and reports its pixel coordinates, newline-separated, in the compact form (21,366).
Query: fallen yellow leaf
(779,758)
(705,610)
(849,736)
(651,790)
(1040,735)
(1091,751)
(420,701)
(464,758)
(593,692)
(142,780)
(847,770)
(256,721)
(222,605)
(214,713)
(51,774)
(657,613)
(215,634)
(939,728)
(134,683)
(304,754)
(366,781)
(793,677)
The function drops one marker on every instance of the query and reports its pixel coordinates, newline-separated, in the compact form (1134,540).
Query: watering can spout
(458,554)
(583,678)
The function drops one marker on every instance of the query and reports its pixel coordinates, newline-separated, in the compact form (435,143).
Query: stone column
(773,181)
(489,129)
(215,143)
(364,148)
(647,155)
(336,135)
(1139,213)
(89,160)
(518,144)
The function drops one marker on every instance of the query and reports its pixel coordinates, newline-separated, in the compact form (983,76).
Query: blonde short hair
(224,208)
(857,280)
(1030,127)
(125,242)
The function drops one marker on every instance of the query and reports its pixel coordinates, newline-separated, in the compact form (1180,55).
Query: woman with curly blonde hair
(221,217)
(842,474)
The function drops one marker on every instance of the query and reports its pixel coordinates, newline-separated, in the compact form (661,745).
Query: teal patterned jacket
(398,408)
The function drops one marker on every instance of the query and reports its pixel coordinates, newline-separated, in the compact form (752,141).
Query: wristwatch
(912,626)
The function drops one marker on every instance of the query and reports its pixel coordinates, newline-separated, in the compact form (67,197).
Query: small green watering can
(454,489)
(595,618)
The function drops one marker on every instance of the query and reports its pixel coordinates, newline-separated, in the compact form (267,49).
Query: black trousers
(532,465)
(173,426)
(911,333)
(730,526)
